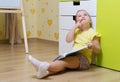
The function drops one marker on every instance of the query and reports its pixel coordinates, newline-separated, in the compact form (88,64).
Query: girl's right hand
(78,24)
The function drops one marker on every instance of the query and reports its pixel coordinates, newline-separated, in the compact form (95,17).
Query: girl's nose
(83,16)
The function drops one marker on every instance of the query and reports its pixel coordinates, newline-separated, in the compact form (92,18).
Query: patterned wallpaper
(41,19)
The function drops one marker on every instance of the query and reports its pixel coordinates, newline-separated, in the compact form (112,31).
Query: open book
(69,53)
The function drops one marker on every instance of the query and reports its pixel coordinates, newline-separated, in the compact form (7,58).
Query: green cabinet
(108,25)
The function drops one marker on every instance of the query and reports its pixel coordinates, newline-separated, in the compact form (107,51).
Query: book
(69,53)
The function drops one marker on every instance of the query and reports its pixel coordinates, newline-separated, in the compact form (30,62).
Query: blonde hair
(86,12)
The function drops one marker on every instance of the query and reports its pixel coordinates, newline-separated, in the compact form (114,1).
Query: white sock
(43,70)
(41,67)
(34,61)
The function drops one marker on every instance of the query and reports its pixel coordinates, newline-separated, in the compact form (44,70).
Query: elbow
(98,51)
(69,38)
(68,41)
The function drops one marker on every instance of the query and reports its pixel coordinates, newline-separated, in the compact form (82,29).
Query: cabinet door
(63,45)
(68,8)
(108,25)
(67,22)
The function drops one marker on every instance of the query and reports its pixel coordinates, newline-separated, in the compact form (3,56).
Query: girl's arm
(95,45)
(70,35)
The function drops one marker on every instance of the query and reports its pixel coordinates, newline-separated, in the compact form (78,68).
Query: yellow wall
(41,19)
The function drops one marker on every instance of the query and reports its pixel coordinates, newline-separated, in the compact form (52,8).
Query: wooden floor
(14,66)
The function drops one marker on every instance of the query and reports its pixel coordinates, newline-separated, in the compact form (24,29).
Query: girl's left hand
(90,45)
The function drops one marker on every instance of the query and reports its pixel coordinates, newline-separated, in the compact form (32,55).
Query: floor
(14,66)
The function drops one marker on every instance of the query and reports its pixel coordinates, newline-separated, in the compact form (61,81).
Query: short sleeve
(97,35)
(93,34)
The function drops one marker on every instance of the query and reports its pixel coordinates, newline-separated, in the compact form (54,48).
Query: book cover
(69,53)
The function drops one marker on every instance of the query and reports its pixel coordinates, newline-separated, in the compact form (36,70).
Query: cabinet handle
(74,18)
(76,3)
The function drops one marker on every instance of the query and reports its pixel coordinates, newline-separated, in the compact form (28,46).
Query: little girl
(82,34)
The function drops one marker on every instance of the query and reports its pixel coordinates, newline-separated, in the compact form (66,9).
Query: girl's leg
(44,68)
(71,62)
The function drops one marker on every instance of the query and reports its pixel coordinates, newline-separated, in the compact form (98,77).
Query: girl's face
(83,17)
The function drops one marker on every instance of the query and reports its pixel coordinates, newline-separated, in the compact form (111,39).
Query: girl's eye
(85,15)
(79,16)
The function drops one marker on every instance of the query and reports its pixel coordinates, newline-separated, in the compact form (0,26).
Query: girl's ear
(90,19)
(90,22)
